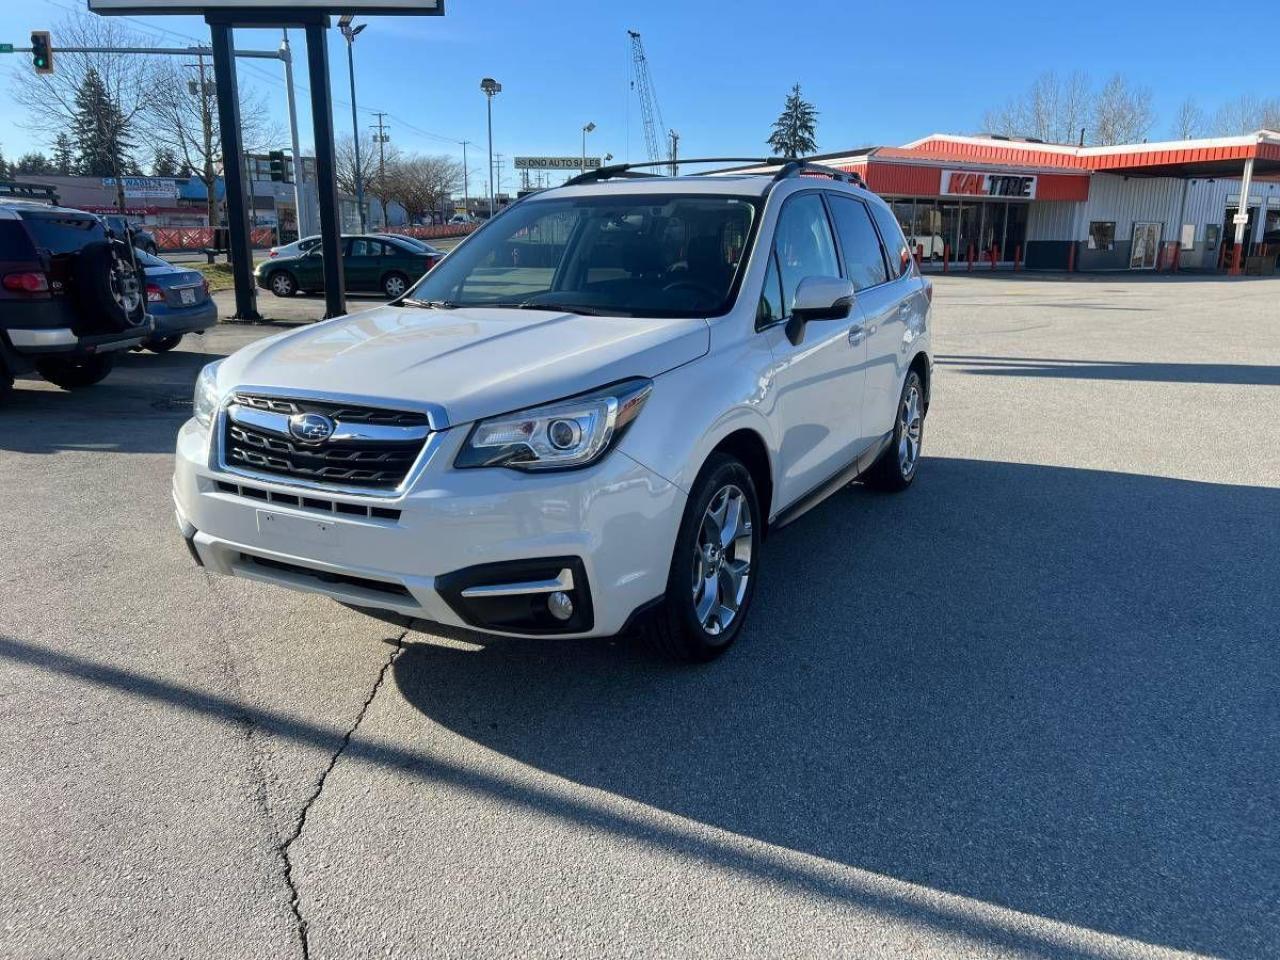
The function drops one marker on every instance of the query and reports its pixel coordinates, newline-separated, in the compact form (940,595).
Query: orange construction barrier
(946,258)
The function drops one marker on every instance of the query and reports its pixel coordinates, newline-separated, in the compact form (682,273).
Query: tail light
(26,282)
(204,285)
(154,294)
(928,290)
(273,252)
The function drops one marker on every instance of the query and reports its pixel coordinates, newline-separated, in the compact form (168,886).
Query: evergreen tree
(32,163)
(793,131)
(100,131)
(4,166)
(164,163)
(64,159)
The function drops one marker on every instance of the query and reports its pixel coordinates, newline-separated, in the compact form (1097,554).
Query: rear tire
(163,344)
(900,461)
(282,283)
(72,374)
(6,381)
(394,285)
(693,624)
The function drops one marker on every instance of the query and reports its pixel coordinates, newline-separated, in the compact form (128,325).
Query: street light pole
(344,24)
(466,194)
(491,88)
(586,128)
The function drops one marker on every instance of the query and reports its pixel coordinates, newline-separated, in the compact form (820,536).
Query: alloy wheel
(722,559)
(910,430)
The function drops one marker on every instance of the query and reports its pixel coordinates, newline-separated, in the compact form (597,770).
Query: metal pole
(326,180)
(355,130)
(489,103)
(224,75)
(466,196)
(1242,211)
(583,168)
(287,56)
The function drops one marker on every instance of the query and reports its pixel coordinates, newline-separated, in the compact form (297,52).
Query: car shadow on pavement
(1240,374)
(136,409)
(1049,689)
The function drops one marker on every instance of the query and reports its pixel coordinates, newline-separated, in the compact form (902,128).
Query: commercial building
(1052,206)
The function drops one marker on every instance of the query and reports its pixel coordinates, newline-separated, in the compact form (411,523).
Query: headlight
(205,401)
(571,433)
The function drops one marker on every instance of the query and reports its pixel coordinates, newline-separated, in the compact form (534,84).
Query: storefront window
(1102,235)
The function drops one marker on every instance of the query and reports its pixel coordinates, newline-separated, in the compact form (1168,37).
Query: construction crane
(655,140)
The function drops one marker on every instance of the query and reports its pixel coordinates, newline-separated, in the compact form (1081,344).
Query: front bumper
(617,519)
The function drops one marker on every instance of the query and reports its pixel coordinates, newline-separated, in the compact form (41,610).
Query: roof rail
(795,168)
(624,170)
(29,191)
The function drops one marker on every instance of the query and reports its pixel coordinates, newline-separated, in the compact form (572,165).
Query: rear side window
(894,243)
(804,245)
(858,241)
(14,242)
(63,234)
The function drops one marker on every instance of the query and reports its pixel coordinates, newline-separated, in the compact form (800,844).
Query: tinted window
(362,247)
(894,243)
(14,243)
(63,234)
(858,241)
(631,255)
(803,245)
(770,308)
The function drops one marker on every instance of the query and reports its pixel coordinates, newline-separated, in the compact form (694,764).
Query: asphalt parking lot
(1027,709)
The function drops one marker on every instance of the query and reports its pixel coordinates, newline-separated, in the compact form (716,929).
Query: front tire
(72,374)
(713,568)
(897,466)
(282,283)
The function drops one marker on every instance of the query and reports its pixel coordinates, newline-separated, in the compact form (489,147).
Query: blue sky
(878,73)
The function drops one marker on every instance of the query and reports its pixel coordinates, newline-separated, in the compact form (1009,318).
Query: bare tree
(1121,113)
(1246,114)
(345,164)
(382,174)
(1052,109)
(421,184)
(1188,122)
(129,80)
(183,119)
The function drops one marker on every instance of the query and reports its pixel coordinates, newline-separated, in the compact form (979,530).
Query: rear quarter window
(14,242)
(63,234)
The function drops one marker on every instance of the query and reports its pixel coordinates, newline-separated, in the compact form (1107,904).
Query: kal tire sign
(1009,186)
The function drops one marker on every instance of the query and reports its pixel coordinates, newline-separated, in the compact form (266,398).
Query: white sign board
(1188,236)
(556,163)
(1240,219)
(142,7)
(1006,186)
(159,188)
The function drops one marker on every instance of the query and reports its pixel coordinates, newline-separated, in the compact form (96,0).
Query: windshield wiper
(555,307)
(429,304)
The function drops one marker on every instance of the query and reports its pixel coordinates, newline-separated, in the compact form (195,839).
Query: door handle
(856,333)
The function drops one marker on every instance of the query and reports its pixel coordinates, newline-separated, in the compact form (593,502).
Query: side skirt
(838,481)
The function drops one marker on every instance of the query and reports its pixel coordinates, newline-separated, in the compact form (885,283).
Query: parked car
(462,218)
(590,415)
(139,236)
(178,300)
(372,263)
(417,242)
(70,297)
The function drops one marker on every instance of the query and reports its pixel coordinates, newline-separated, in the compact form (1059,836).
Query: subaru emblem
(311,427)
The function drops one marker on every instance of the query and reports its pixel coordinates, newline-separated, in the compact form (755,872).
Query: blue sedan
(178,299)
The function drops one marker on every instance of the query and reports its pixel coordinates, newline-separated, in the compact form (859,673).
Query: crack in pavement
(301,823)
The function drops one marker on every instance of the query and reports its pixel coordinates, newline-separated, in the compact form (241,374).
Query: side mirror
(818,298)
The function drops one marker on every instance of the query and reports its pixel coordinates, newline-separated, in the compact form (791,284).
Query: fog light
(560,605)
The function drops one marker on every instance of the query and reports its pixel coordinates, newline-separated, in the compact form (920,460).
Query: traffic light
(41,51)
(276,158)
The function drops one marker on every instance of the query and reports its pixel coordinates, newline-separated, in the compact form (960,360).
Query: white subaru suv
(588,415)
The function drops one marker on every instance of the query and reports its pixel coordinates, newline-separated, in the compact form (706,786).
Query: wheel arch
(748,446)
(921,365)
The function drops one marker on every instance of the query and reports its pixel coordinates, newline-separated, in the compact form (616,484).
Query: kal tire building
(1048,206)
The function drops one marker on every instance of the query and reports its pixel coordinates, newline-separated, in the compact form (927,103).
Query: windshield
(639,255)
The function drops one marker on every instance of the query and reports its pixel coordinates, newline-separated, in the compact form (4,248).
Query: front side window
(675,255)
(858,241)
(803,245)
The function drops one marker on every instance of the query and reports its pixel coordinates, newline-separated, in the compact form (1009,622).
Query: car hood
(466,363)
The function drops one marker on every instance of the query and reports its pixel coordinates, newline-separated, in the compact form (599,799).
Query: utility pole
(497,183)
(675,152)
(466,194)
(206,122)
(382,137)
(287,56)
